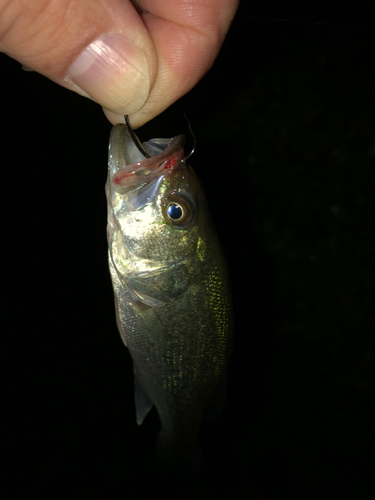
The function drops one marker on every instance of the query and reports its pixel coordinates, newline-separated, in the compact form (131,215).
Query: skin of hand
(131,57)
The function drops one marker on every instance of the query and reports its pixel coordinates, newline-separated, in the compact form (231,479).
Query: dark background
(285,123)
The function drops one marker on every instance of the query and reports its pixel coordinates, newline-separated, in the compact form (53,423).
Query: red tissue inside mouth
(173,159)
(154,166)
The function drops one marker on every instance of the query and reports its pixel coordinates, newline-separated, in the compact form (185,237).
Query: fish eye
(174,211)
(177,211)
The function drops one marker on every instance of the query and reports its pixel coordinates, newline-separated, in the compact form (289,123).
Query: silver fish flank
(171,287)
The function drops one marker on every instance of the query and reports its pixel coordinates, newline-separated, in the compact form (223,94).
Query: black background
(285,123)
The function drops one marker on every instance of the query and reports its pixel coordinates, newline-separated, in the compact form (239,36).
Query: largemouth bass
(171,287)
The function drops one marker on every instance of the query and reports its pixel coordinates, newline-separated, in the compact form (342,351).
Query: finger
(98,48)
(187,37)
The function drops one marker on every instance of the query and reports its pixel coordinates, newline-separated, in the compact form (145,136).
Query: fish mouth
(130,169)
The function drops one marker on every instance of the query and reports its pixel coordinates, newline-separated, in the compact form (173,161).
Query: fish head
(158,221)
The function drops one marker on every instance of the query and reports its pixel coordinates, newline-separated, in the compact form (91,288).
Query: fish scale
(171,287)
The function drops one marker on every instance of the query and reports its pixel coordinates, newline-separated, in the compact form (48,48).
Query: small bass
(171,287)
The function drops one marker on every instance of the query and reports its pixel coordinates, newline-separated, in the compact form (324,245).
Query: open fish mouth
(131,169)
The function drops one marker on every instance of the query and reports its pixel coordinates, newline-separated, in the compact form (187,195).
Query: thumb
(98,48)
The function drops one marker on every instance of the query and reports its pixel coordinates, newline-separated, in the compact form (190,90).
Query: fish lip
(163,163)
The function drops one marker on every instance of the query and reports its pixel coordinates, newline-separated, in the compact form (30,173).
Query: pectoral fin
(143,403)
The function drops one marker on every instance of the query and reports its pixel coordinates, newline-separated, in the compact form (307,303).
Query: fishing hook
(144,152)
(193,136)
(135,139)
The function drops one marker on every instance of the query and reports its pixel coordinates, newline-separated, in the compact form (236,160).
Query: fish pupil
(174,211)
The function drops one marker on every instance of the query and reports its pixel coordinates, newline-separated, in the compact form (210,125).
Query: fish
(171,288)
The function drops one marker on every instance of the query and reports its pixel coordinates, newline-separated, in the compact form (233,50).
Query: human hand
(129,61)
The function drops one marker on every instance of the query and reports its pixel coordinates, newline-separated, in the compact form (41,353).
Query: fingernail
(114,72)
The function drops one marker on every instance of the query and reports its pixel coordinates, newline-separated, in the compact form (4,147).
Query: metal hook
(141,148)
(193,136)
(135,139)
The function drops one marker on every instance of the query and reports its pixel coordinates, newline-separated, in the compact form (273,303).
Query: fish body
(171,287)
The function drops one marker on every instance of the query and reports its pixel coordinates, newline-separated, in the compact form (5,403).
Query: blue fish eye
(177,210)
(174,211)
